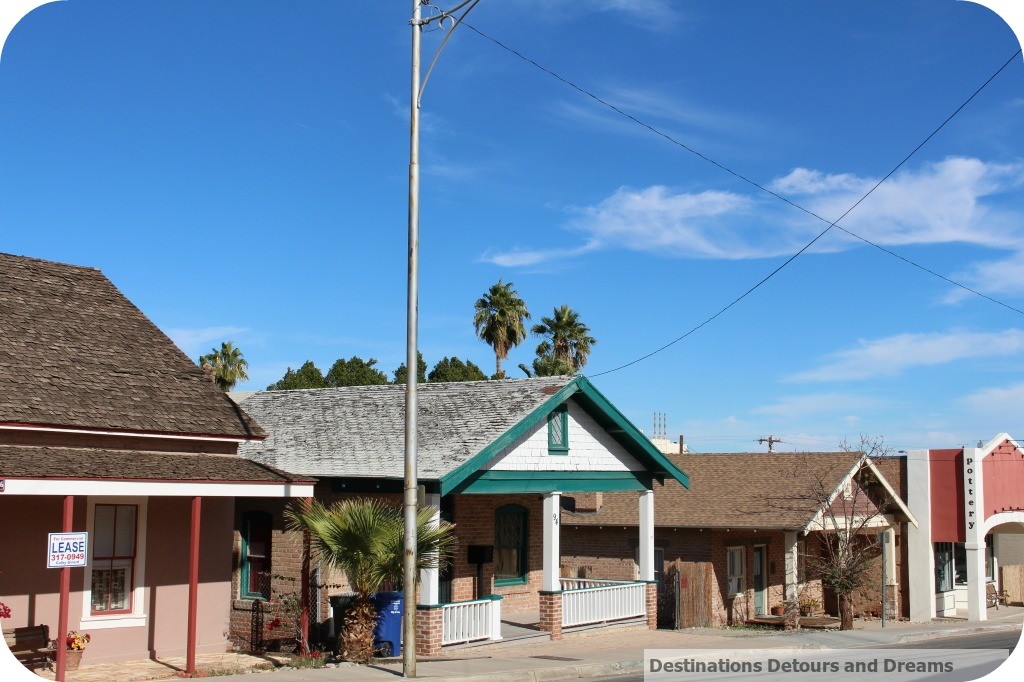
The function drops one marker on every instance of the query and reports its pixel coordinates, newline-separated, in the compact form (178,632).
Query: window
(960,561)
(255,579)
(113,558)
(801,561)
(558,432)
(737,574)
(510,545)
(943,566)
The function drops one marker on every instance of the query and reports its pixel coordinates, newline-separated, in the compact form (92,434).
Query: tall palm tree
(500,321)
(364,539)
(568,340)
(229,365)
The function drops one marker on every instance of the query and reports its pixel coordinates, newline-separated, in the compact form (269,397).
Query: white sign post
(67,550)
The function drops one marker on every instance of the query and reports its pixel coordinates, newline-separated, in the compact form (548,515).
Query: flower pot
(73,659)
(779,610)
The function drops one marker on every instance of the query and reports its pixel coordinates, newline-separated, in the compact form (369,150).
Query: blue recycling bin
(387,634)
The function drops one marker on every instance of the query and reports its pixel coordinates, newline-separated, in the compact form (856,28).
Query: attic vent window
(558,432)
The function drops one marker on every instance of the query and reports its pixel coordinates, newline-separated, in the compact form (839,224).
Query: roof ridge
(46,261)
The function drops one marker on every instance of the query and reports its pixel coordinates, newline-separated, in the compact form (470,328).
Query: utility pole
(410,487)
(771,440)
(411,363)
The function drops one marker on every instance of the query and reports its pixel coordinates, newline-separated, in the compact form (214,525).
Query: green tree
(500,321)
(402,373)
(364,539)
(307,376)
(229,365)
(355,372)
(567,340)
(453,369)
(550,366)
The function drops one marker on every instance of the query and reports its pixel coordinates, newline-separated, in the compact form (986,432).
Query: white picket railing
(470,621)
(611,600)
(586,583)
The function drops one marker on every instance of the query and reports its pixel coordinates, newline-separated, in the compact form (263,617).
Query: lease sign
(67,549)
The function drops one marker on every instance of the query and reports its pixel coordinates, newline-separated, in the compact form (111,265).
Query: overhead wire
(763,188)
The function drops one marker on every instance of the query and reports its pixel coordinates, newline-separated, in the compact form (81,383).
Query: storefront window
(943,566)
(960,561)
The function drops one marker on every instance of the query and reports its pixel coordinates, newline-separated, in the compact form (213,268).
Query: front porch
(563,604)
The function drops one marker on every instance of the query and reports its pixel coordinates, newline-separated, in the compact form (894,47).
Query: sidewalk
(603,655)
(594,654)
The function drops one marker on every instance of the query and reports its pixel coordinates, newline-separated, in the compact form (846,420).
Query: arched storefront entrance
(969,501)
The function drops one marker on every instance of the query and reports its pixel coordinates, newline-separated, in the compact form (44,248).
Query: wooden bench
(993,598)
(30,645)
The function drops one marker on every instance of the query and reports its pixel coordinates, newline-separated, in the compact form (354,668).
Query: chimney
(588,502)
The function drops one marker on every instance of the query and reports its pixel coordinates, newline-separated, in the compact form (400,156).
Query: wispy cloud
(893,355)
(997,277)
(940,203)
(944,202)
(997,402)
(797,406)
(654,15)
(197,341)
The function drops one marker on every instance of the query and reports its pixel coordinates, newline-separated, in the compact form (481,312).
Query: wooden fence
(1013,582)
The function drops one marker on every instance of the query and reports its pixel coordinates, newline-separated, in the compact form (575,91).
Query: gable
(590,448)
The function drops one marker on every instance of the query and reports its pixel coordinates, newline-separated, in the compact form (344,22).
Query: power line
(759,186)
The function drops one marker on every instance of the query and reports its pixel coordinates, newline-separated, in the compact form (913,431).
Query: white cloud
(945,202)
(197,341)
(796,406)
(997,402)
(998,277)
(940,203)
(654,15)
(892,355)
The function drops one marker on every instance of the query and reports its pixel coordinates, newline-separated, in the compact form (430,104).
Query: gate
(688,593)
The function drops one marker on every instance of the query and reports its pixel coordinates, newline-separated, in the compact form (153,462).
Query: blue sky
(239,170)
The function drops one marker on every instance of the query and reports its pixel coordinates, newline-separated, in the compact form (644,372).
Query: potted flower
(809,607)
(75,643)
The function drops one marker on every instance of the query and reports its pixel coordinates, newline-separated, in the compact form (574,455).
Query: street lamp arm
(458,20)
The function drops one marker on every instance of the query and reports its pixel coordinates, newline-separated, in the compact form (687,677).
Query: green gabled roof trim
(595,404)
(512,482)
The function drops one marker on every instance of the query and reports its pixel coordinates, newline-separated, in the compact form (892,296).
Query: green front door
(760,586)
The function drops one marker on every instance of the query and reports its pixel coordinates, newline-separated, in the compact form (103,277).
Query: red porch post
(65,595)
(193,585)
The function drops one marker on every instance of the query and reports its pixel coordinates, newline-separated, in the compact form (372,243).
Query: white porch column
(974,515)
(646,547)
(920,552)
(792,562)
(891,578)
(430,584)
(551,522)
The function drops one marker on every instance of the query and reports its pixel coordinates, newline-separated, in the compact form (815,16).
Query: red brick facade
(551,613)
(428,631)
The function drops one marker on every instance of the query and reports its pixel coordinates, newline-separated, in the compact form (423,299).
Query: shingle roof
(736,490)
(75,352)
(359,430)
(30,461)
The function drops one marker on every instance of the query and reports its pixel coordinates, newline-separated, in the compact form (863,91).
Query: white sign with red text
(67,549)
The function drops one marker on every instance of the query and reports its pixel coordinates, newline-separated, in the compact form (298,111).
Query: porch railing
(599,603)
(470,621)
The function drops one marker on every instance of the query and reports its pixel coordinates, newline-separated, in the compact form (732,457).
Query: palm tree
(364,539)
(229,365)
(568,340)
(500,321)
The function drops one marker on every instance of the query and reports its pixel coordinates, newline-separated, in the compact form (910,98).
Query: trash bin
(387,634)
(339,604)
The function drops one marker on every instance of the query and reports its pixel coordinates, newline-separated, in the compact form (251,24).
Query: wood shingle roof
(75,352)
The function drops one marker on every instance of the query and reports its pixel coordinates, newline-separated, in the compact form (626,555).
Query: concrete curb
(573,672)
(959,632)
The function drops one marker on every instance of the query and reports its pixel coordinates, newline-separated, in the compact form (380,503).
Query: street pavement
(619,654)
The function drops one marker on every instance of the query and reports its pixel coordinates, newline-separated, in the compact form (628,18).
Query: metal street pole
(412,362)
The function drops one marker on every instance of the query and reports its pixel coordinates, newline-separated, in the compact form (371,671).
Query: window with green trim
(509,545)
(558,432)
(256,534)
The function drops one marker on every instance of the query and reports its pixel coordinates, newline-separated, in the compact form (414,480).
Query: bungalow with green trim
(495,458)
